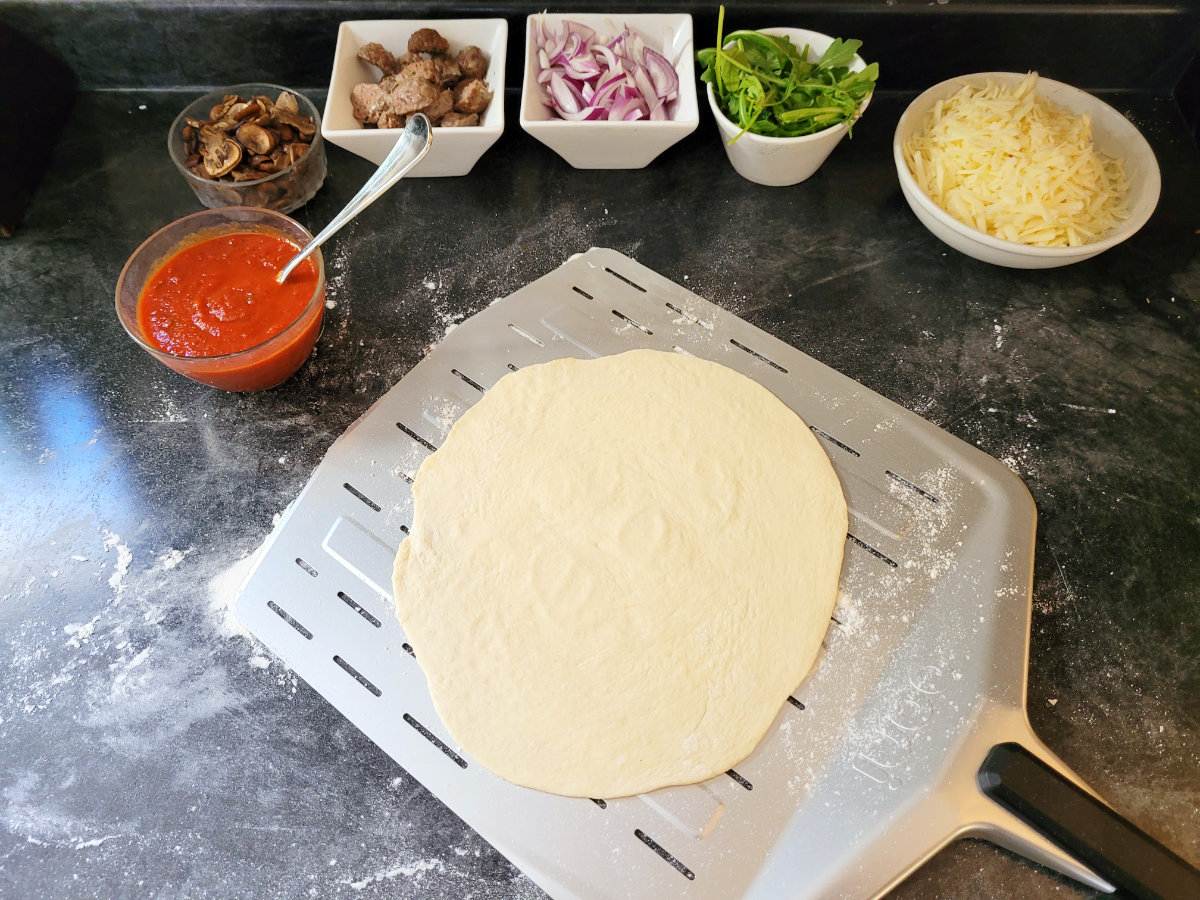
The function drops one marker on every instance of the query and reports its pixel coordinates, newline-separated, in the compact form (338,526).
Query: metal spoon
(410,148)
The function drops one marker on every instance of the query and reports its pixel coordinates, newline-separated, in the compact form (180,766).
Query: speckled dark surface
(148,748)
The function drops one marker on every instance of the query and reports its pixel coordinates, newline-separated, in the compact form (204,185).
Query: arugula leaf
(840,53)
(766,85)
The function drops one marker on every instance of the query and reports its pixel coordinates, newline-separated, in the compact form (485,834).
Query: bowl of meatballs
(451,70)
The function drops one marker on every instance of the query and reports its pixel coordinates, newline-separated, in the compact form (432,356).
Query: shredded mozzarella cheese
(1016,166)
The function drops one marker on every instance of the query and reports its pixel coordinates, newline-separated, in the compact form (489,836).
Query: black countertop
(150,747)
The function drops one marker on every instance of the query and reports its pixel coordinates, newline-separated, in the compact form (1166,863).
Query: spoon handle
(410,149)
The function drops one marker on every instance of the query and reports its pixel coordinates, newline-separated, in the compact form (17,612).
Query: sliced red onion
(583,76)
(581,67)
(627,105)
(553,44)
(616,77)
(605,93)
(641,78)
(567,97)
(606,54)
(637,45)
(580,29)
(662,73)
(587,113)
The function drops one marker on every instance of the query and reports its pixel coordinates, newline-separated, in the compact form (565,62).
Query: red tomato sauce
(219,295)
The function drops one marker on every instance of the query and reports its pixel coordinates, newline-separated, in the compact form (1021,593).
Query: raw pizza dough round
(618,570)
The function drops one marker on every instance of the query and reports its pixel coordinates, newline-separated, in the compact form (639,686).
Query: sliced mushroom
(256,139)
(248,140)
(304,126)
(290,153)
(221,152)
(232,117)
(287,102)
(218,112)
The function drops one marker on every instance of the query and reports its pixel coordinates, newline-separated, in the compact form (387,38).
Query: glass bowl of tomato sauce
(200,296)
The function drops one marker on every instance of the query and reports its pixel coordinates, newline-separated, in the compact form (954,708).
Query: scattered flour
(170,558)
(1096,409)
(24,813)
(448,321)
(80,634)
(95,842)
(337,267)
(223,593)
(414,870)
(124,557)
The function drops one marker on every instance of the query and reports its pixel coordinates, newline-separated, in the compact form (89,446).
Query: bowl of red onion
(609,91)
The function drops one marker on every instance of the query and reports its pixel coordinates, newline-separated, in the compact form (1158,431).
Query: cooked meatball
(448,71)
(459,120)
(367,102)
(471,95)
(426,40)
(439,107)
(410,95)
(472,62)
(449,89)
(425,69)
(378,56)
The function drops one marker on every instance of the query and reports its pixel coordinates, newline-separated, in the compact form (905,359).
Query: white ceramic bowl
(615,145)
(780,161)
(454,150)
(1112,134)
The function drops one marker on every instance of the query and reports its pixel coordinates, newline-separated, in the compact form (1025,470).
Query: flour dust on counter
(123,664)
(179,739)
(437,288)
(123,678)
(337,262)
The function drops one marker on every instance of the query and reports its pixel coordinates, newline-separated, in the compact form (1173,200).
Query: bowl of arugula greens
(783,98)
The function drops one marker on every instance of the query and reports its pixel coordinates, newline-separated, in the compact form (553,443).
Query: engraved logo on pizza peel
(888,744)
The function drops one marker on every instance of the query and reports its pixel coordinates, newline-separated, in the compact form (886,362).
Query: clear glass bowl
(263,366)
(282,191)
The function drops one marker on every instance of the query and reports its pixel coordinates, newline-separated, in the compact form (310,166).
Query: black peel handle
(1112,847)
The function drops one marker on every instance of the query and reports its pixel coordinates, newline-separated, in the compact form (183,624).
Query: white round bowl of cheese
(1021,171)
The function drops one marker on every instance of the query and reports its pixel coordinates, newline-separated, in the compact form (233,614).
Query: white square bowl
(454,150)
(614,145)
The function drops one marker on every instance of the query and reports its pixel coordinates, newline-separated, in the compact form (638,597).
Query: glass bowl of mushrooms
(250,145)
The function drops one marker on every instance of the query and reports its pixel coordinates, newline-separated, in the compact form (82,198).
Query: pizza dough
(618,570)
